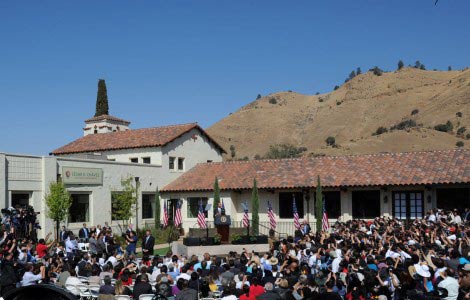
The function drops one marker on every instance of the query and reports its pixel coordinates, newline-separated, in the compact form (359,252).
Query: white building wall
(125,155)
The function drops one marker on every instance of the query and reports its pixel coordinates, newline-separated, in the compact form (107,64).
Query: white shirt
(432,218)
(69,246)
(29,278)
(185,276)
(452,287)
(335,264)
(112,260)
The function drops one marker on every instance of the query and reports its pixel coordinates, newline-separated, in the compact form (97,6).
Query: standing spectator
(148,243)
(84,233)
(131,239)
(8,276)
(63,234)
(93,243)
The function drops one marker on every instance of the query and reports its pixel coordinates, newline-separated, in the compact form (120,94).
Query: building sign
(73,175)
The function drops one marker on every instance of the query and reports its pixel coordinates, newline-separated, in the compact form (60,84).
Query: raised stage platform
(224,249)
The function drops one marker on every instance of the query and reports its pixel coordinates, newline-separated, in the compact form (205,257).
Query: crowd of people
(384,258)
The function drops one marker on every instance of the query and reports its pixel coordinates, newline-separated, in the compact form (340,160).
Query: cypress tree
(216,195)
(102,107)
(400,64)
(157,209)
(358,71)
(318,205)
(254,209)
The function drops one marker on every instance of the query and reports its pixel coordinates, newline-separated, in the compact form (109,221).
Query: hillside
(352,113)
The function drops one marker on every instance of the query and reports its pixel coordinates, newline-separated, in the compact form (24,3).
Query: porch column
(346,205)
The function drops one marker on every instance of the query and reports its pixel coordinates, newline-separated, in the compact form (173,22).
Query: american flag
(246,218)
(165,215)
(201,218)
(272,218)
(178,217)
(296,214)
(324,222)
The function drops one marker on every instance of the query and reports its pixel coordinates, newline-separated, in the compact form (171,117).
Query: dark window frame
(134,160)
(74,215)
(285,205)
(171,162)
(368,211)
(181,163)
(147,213)
(406,206)
(193,206)
(146,160)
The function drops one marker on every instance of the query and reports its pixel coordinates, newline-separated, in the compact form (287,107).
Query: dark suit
(63,235)
(82,231)
(148,245)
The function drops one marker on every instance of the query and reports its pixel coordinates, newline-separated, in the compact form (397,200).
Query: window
(111,159)
(332,204)
(79,210)
(408,205)
(146,160)
(366,204)
(209,160)
(453,198)
(95,131)
(172,162)
(19,199)
(134,160)
(286,205)
(148,206)
(181,163)
(193,206)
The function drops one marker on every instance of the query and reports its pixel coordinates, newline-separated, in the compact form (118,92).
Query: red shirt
(256,290)
(41,249)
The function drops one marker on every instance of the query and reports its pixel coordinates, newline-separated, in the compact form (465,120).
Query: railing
(283,228)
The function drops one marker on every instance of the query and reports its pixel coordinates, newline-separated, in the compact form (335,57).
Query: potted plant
(236,238)
(217,239)
(253,239)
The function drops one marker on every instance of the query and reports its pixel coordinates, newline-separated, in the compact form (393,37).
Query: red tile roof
(408,168)
(107,117)
(138,138)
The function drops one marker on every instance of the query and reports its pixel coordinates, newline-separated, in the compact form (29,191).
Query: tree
(259,96)
(318,205)
(123,201)
(254,210)
(377,71)
(216,195)
(58,202)
(400,64)
(358,71)
(232,151)
(330,141)
(449,68)
(418,64)
(102,107)
(157,214)
(336,87)
(422,67)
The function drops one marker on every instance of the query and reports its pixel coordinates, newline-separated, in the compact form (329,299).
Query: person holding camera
(131,240)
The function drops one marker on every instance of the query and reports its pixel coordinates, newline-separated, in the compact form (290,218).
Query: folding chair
(146,297)
(122,297)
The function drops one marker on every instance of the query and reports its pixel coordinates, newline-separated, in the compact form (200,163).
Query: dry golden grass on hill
(352,113)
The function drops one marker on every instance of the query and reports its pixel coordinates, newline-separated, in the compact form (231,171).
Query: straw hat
(119,257)
(273,261)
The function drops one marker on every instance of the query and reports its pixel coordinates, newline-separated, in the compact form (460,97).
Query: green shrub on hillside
(459,144)
(330,141)
(380,130)
(404,125)
(447,127)
(284,151)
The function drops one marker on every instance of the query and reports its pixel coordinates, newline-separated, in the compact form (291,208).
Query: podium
(222,223)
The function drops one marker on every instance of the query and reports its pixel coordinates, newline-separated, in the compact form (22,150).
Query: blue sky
(168,62)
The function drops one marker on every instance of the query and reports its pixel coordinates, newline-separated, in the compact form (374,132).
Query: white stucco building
(93,166)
